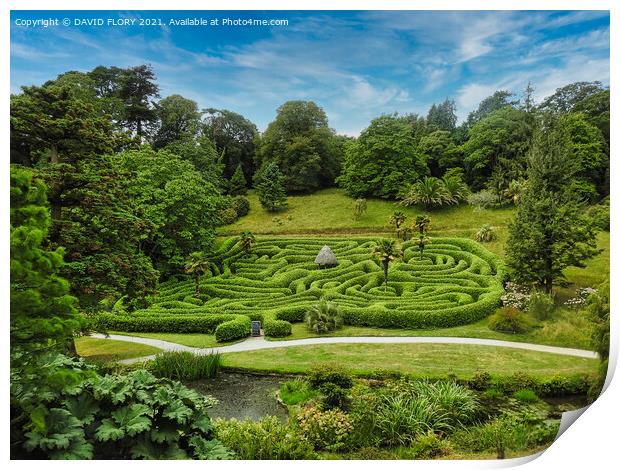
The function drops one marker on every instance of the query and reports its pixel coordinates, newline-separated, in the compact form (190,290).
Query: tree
(43,314)
(550,230)
(197,265)
(323,318)
(564,99)
(237,184)
(440,151)
(182,207)
(92,216)
(270,188)
(497,148)
(177,119)
(382,160)
(303,146)
(422,223)
(397,219)
(202,155)
(498,100)
(387,251)
(429,192)
(247,240)
(359,208)
(456,188)
(442,116)
(137,89)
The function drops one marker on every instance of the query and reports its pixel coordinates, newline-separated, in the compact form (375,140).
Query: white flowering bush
(580,300)
(516,296)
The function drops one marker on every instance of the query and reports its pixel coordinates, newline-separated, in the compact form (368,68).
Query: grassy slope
(96,349)
(427,360)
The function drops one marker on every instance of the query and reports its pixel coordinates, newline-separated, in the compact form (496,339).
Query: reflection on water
(242,395)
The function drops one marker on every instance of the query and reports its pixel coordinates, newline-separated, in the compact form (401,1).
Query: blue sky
(356,65)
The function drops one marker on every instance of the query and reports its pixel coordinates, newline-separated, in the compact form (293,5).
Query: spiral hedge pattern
(457,282)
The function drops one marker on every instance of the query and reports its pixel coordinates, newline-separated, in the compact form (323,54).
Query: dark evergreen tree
(137,90)
(238,184)
(550,230)
(442,116)
(270,188)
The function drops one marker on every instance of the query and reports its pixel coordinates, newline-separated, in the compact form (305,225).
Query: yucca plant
(430,192)
(323,317)
(387,251)
(486,234)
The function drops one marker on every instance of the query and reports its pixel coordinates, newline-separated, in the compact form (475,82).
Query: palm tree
(397,219)
(456,188)
(197,264)
(387,251)
(515,189)
(247,241)
(423,224)
(323,317)
(422,241)
(429,192)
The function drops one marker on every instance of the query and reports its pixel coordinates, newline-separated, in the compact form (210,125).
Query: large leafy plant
(133,416)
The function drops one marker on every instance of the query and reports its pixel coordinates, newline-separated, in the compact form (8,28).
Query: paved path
(252,344)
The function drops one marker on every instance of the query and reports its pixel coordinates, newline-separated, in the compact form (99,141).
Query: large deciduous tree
(303,146)
(177,119)
(550,231)
(442,116)
(383,160)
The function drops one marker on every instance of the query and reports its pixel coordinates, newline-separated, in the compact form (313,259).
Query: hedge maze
(457,282)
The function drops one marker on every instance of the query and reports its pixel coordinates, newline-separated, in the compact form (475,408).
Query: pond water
(242,395)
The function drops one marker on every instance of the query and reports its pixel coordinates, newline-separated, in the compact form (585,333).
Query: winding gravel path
(252,344)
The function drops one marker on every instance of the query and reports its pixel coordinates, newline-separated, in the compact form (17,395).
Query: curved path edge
(253,344)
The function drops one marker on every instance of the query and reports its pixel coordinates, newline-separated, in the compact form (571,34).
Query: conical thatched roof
(326,257)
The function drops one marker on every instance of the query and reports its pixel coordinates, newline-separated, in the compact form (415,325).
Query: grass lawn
(568,330)
(107,350)
(424,360)
(193,340)
(331,211)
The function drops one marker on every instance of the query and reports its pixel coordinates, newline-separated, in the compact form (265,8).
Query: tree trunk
(385,273)
(197,285)
(70,349)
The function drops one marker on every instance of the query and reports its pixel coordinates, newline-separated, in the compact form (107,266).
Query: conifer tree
(270,188)
(238,184)
(550,231)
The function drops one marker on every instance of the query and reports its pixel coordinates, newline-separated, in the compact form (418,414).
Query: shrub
(330,375)
(266,439)
(526,396)
(327,430)
(241,205)
(359,208)
(323,318)
(277,328)
(429,445)
(456,188)
(294,392)
(484,199)
(486,234)
(541,305)
(184,365)
(228,216)
(190,299)
(233,329)
(430,192)
(516,296)
(160,323)
(510,320)
(600,214)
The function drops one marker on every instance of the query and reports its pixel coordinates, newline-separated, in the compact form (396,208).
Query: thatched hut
(326,258)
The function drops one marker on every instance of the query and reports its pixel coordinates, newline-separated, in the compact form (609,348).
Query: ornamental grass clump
(184,365)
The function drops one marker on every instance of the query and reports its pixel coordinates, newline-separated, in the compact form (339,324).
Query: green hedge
(234,329)
(160,323)
(277,328)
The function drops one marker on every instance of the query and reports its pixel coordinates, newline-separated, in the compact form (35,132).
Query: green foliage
(197,265)
(238,184)
(133,416)
(387,251)
(201,153)
(382,160)
(442,116)
(600,215)
(397,219)
(43,314)
(429,192)
(234,329)
(175,198)
(270,188)
(241,205)
(177,119)
(456,189)
(541,305)
(359,208)
(486,234)
(247,241)
(294,392)
(324,429)
(302,145)
(557,386)
(526,396)
(266,439)
(323,318)
(184,365)
(440,151)
(161,323)
(510,320)
(550,230)
(277,328)
(599,311)
(484,199)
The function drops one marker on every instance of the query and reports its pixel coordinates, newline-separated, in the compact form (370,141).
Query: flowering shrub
(324,429)
(516,296)
(582,295)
